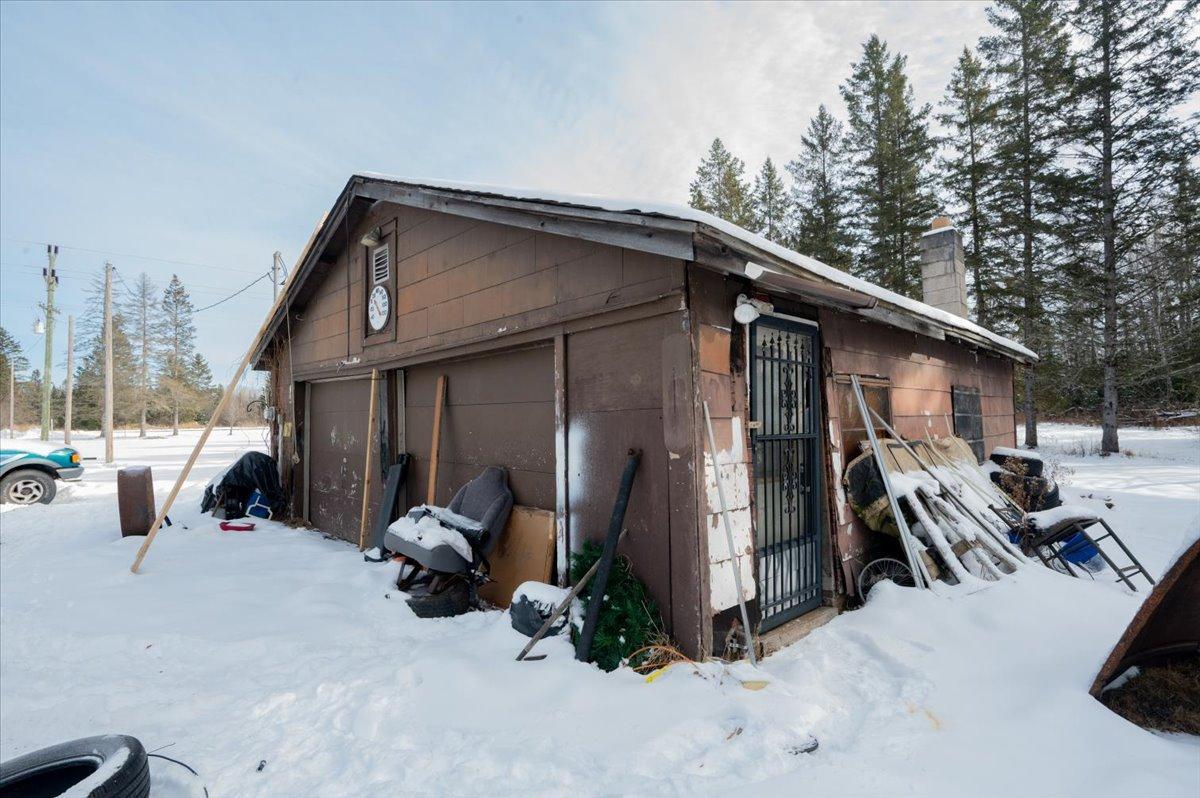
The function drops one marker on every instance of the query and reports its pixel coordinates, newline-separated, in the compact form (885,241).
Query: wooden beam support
(438,403)
(372,434)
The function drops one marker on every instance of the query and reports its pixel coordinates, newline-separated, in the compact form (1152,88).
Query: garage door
(337,418)
(499,411)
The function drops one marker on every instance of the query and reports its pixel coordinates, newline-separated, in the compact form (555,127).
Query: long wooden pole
(371,431)
(212,422)
(431,493)
(70,392)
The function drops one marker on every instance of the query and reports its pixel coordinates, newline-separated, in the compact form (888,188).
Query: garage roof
(675,230)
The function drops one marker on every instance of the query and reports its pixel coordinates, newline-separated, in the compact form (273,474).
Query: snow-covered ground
(281,647)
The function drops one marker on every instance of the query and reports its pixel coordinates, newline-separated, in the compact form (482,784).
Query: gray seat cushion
(486,499)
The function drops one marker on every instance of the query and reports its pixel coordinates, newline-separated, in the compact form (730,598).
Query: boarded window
(381,264)
(968,418)
(854,431)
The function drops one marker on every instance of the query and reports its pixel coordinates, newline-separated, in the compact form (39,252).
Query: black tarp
(252,471)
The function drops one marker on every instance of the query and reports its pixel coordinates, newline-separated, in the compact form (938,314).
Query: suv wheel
(27,487)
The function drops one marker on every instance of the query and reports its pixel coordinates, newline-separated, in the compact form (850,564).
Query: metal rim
(883,570)
(26,491)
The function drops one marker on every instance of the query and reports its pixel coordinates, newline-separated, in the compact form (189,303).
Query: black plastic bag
(252,471)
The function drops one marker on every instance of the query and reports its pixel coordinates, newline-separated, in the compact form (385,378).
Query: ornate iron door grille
(785,434)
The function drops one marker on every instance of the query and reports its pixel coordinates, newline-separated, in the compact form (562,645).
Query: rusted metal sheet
(499,411)
(337,442)
(1167,623)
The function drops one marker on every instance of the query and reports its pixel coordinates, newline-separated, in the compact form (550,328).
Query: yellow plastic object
(755,684)
(654,674)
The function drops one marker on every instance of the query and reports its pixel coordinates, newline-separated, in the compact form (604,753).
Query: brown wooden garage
(572,329)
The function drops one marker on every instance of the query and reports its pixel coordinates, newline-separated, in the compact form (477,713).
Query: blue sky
(213,135)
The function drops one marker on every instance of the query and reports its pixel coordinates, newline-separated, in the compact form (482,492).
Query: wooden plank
(524,553)
(439,401)
(368,466)
(714,349)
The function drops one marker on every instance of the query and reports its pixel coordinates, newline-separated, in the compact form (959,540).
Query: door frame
(815,509)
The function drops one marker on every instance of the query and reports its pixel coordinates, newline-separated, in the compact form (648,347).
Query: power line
(135,257)
(246,287)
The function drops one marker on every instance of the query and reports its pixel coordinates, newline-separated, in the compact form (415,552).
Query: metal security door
(785,426)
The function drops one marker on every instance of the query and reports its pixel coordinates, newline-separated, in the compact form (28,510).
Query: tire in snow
(108,766)
(27,486)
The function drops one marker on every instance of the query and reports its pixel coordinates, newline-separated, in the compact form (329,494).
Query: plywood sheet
(525,553)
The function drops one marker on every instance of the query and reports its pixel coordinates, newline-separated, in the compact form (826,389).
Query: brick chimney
(943,270)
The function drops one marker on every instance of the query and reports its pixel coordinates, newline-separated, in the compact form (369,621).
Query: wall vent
(381,263)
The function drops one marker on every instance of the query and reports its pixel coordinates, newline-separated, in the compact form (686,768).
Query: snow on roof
(804,263)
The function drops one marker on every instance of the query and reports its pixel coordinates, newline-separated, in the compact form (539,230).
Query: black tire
(1016,464)
(27,486)
(455,599)
(54,770)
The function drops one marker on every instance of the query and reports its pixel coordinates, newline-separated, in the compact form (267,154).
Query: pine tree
(178,350)
(12,361)
(969,119)
(1136,66)
(890,150)
(89,374)
(89,379)
(819,226)
(1031,65)
(720,187)
(145,334)
(769,201)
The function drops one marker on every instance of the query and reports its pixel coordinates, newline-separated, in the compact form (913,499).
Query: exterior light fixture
(372,238)
(748,309)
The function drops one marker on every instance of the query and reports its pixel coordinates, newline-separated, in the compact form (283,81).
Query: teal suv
(28,470)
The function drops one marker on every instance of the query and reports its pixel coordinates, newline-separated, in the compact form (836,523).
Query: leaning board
(525,553)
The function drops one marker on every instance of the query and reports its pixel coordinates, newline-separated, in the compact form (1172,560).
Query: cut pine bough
(942,515)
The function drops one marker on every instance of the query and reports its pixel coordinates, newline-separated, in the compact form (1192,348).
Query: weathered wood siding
(460,281)
(484,304)
(629,387)
(920,372)
(499,410)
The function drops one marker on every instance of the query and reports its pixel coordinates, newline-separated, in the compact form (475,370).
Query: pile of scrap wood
(949,528)
(956,523)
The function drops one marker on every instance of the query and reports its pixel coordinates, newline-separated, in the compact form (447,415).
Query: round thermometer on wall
(378,308)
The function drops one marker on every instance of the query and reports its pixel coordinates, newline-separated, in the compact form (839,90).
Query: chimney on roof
(943,269)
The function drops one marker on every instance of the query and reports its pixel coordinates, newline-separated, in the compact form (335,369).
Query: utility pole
(51,278)
(275,260)
(70,397)
(12,395)
(108,364)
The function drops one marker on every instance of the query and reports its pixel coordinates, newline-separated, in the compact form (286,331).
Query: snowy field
(278,663)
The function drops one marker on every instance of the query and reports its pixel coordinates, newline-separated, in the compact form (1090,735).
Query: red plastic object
(237,526)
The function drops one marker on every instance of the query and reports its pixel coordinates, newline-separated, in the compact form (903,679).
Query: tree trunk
(1108,412)
(175,419)
(1029,291)
(144,376)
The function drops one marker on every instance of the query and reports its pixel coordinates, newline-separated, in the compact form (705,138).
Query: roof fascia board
(880,312)
(671,238)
